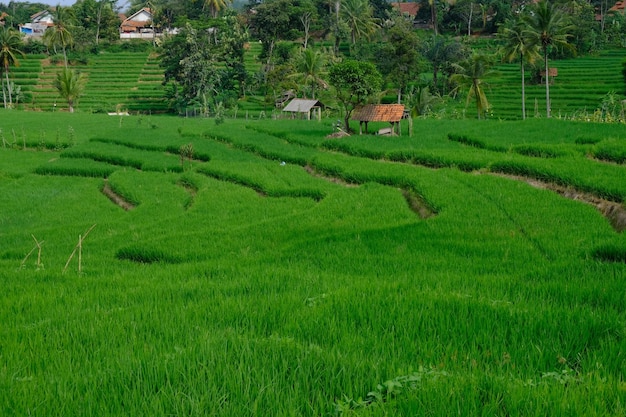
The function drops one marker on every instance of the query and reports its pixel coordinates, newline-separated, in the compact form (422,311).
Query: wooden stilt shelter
(391,113)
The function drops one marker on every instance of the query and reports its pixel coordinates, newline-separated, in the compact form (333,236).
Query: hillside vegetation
(132,81)
(257,268)
(128,81)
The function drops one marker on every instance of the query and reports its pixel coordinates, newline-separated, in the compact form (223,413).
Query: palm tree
(59,33)
(215,6)
(358,16)
(433,15)
(471,74)
(518,45)
(442,52)
(10,43)
(309,65)
(549,28)
(70,85)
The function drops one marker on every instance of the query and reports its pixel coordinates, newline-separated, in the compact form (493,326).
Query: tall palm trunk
(523,87)
(8,90)
(547,79)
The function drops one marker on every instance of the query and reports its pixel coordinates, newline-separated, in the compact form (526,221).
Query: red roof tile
(379,113)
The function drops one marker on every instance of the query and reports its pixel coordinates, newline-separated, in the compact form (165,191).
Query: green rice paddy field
(281,273)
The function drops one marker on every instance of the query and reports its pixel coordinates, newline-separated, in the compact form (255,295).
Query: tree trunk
(523,88)
(547,78)
(469,21)
(98,21)
(8,89)
(433,15)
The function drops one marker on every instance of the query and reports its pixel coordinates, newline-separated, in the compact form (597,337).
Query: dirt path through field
(116,198)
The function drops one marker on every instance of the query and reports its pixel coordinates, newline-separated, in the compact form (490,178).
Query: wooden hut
(304,106)
(391,113)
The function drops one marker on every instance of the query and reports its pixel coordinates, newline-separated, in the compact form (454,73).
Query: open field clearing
(257,268)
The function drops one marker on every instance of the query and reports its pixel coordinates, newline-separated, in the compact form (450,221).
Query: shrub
(610,150)
(76,167)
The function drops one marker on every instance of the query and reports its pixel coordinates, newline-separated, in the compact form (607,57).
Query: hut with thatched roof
(391,113)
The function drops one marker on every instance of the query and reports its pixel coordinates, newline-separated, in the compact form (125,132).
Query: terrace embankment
(416,203)
(116,198)
(613,211)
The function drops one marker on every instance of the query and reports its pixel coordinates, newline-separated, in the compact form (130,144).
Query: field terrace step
(114,81)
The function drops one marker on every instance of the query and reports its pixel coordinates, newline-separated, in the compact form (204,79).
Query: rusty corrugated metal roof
(379,113)
(300,105)
(405,7)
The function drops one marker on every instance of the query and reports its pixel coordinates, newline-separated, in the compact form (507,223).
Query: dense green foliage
(236,284)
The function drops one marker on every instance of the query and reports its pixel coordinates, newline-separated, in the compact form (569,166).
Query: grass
(243,286)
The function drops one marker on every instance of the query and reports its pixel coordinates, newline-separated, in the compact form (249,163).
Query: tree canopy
(355,83)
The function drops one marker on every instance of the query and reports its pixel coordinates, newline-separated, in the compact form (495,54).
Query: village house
(138,25)
(38,24)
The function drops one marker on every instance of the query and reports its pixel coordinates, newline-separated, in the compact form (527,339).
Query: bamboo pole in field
(79,248)
(38,247)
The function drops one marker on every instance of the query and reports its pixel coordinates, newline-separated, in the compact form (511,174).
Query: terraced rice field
(115,81)
(580,86)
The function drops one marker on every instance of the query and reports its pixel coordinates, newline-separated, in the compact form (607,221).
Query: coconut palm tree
(215,6)
(70,85)
(549,28)
(59,33)
(358,16)
(471,74)
(309,65)
(518,46)
(10,43)
(442,52)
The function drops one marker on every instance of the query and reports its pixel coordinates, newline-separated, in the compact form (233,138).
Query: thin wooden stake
(38,247)
(79,247)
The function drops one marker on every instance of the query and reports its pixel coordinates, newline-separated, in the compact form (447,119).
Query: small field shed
(391,113)
(305,107)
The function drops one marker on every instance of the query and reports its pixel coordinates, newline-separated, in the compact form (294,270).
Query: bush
(610,150)
(34,46)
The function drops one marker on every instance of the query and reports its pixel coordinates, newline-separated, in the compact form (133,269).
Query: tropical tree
(420,101)
(215,6)
(518,46)
(98,18)
(442,52)
(275,20)
(59,33)
(309,65)
(355,82)
(358,16)
(70,84)
(471,76)
(10,44)
(398,58)
(549,28)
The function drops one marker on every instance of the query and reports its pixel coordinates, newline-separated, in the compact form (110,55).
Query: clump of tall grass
(611,150)
(147,255)
(610,253)
(539,150)
(78,167)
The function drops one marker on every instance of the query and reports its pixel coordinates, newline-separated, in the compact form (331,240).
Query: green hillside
(127,81)
(132,81)
(580,86)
